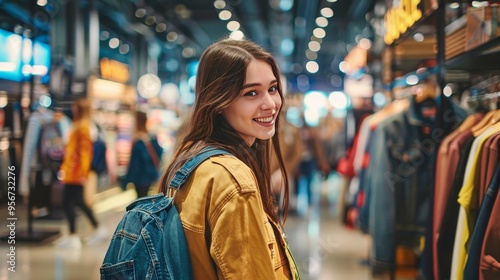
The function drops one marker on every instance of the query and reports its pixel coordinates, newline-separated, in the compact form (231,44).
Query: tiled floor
(322,247)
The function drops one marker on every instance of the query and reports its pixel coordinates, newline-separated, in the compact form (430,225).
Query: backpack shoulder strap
(182,174)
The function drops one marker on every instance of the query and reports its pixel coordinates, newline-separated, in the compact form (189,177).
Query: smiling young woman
(226,207)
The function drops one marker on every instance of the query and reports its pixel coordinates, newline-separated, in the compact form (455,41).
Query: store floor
(323,248)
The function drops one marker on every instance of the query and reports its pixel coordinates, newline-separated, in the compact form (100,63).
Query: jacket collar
(415,116)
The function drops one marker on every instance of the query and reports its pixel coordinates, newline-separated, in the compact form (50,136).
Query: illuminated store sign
(20,58)
(114,70)
(399,18)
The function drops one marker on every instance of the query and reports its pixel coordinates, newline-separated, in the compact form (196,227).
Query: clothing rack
(30,234)
(484,96)
(487,83)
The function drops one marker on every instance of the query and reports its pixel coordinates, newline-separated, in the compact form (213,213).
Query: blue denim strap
(182,174)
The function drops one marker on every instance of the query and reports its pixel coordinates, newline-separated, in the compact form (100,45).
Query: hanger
(494,117)
(468,123)
(484,121)
(490,118)
(484,84)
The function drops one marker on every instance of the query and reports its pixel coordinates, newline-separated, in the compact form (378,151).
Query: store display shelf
(485,57)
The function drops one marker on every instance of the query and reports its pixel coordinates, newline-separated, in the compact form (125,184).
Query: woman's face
(253,114)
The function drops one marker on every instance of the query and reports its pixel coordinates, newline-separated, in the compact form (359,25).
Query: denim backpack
(149,241)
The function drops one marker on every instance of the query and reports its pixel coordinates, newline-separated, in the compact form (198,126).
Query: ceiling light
(41,3)
(113,43)
(124,49)
(225,15)
(312,67)
(220,4)
(331,1)
(314,46)
(187,52)
(140,13)
(150,20)
(327,12)
(419,37)
(233,25)
(321,21)
(454,5)
(237,35)
(172,36)
(161,27)
(319,32)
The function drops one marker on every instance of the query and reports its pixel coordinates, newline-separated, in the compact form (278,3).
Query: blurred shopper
(291,146)
(232,228)
(74,174)
(313,159)
(145,158)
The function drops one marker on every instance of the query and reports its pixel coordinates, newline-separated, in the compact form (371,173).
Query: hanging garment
(471,271)
(400,182)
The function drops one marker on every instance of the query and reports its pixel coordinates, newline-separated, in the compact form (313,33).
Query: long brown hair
(141,120)
(82,108)
(221,75)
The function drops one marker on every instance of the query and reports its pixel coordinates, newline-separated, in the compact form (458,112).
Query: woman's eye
(251,93)
(273,89)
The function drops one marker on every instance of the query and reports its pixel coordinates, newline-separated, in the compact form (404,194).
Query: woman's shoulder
(82,126)
(228,167)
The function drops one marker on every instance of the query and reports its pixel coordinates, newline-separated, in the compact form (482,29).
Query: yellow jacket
(228,233)
(77,154)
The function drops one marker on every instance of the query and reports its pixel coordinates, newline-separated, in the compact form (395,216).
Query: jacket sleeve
(381,217)
(240,237)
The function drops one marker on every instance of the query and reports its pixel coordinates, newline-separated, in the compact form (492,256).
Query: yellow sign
(399,19)
(114,70)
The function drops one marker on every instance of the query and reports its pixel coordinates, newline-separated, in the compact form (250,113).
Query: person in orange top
(73,174)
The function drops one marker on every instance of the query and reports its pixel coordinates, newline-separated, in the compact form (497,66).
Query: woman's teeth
(268,119)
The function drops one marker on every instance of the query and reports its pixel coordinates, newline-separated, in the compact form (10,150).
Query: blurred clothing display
(30,161)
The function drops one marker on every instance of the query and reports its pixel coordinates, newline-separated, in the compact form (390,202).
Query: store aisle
(323,248)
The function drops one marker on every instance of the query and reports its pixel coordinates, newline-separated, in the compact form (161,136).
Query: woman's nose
(269,101)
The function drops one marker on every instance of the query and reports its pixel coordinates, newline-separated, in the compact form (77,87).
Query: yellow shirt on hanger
(465,199)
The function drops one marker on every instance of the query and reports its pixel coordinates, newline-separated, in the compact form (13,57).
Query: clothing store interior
(390,126)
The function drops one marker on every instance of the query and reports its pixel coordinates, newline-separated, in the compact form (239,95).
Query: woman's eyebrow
(256,84)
